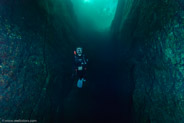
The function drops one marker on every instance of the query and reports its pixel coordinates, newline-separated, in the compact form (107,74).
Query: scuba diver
(80,66)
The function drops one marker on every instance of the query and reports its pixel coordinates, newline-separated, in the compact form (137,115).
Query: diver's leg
(84,75)
(80,80)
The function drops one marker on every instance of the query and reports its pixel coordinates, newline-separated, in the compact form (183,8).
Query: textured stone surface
(35,44)
(152,38)
(22,70)
(159,77)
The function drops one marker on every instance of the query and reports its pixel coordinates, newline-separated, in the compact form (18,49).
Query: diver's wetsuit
(80,61)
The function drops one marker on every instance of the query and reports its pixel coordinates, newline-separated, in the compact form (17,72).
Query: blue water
(107,93)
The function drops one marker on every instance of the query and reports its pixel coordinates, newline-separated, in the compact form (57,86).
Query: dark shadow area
(107,94)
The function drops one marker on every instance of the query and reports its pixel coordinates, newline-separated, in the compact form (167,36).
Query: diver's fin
(80,83)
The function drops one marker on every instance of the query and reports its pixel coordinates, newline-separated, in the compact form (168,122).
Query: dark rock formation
(36,44)
(151,36)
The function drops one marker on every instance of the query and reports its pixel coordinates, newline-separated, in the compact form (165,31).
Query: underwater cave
(135,68)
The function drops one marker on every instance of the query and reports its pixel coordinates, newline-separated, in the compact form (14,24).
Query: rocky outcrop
(36,44)
(152,38)
(158,96)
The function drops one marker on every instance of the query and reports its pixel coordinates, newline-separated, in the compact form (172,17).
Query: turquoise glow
(95,14)
(87,1)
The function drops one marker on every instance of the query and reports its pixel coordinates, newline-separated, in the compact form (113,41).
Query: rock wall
(151,37)
(36,50)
